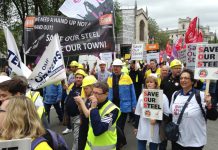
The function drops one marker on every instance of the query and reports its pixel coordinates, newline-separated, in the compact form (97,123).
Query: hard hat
(89,80)
(4,78)
(81,72)
(102,62)
(80,66)
(117,62)
(175,62)
(74,63)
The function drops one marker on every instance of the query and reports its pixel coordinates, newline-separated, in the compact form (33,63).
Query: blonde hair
(21,120)
(152,79)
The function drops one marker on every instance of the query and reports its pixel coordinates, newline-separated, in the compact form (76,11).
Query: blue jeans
(142,145)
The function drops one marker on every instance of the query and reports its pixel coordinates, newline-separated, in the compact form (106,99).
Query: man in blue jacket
(52,96)
(121,93)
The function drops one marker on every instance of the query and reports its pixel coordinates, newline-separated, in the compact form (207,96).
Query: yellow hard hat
(175,62)
(80,66)
(74,63)
(89,80)
(81,72)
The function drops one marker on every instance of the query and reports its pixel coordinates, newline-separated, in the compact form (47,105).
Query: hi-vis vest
(108,139)
(33,95)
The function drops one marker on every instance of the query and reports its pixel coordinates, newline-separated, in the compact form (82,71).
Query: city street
(211,144)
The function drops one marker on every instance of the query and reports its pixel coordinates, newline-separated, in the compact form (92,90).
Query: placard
(153,104)
(16,144)
(206,65)
(137,51)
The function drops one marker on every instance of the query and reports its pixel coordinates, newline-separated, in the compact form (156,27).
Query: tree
(157,34)
(118,17)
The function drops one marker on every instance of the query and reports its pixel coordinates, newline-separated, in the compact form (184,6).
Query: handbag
(172,129)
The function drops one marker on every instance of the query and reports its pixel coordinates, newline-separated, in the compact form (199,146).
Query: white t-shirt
(146,131)
(193,125)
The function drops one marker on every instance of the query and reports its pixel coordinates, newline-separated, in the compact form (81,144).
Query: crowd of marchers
(95,104)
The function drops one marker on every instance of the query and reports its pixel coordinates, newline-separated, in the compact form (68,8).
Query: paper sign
(153,104)
(17,144)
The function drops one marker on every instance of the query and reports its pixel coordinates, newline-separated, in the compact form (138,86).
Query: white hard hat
(4,78)
(117,62)
(102,62)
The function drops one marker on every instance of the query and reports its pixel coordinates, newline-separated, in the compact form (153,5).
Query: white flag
(50,68)
(80,8)
(14,61)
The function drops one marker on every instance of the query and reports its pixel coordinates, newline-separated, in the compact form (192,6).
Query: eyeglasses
(96,93)
(185,78)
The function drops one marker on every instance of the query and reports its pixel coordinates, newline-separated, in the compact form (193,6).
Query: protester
(72,108)
(52,96)
(19,119)
(154,70)
(192,129)
(102,133)
(121,93)
(84,106)
(73,68)
(171,84)
(19,86)
(137,78)
(164,72)
(102,74)
(147,130)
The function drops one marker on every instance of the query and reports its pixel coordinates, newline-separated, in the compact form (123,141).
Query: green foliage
(155,32)
(118,17)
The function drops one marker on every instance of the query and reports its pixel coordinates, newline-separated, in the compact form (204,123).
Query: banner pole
(207,86)
(24,54)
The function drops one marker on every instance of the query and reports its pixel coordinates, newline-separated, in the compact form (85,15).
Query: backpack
(210,114)
(54,140)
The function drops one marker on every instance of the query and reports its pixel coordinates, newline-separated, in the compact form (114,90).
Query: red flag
(168,49)
(200,36)
(191,31)
(178,45)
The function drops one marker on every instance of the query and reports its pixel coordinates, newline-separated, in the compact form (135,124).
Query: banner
(14,61)
(50,68)
(86,9)
(190,35)
(16,144)
(76,36)
(206,65)
(153,104)
(137,51)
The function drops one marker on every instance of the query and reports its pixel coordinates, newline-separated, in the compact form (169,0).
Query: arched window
(183,26)
(142,30)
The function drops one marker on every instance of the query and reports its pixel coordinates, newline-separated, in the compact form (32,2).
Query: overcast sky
(167,12)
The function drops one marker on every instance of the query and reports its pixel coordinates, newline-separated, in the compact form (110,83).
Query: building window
(183,26)
(142,30)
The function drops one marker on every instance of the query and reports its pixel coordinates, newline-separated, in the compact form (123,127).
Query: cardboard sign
(190,55)
(153,52)
(153,104)
(182,55)
(16,144)
(137,51)
(206,65)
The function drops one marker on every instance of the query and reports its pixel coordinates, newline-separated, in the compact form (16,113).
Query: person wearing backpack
(192,128)
(19,119)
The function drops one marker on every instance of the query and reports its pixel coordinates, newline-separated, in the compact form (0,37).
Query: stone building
(134,28)
(183,25)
